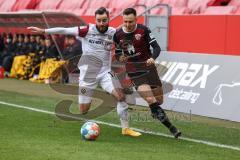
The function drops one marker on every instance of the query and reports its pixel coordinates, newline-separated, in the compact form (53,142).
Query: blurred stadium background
(198,64)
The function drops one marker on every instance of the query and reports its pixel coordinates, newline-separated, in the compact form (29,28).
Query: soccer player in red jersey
(133,43)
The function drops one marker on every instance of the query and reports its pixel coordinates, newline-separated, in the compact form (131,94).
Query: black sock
(158,113)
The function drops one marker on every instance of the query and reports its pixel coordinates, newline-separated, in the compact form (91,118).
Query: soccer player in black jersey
(133,43)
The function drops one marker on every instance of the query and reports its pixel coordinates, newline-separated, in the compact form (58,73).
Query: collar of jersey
(131,31)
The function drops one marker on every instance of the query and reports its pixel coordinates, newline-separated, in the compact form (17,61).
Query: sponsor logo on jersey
(83,91)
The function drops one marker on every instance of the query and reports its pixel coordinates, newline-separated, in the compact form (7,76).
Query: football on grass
(90,131)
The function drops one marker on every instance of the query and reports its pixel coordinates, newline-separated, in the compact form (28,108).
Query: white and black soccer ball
(90,131)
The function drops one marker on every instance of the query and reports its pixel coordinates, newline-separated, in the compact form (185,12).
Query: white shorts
(88,82)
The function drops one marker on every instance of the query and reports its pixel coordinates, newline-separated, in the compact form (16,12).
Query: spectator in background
(71,54)
(2,46)
(59,40)
(40,47)
(9,52)
(51,50)
(26,45)
(20,42)
(32,44)
(73,48)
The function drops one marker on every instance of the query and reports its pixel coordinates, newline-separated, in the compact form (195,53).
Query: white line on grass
(118,126)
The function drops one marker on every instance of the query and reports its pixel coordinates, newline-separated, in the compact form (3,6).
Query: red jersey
(135,45)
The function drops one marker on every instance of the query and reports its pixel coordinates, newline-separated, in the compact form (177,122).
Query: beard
(102,29)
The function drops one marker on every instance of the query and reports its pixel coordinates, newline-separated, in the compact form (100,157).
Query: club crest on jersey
(138,36)
(83,91)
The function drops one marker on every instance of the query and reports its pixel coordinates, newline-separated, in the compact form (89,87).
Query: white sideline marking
(118,126)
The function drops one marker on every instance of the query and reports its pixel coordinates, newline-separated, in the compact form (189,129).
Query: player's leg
(154,98)
(84,99)
(156,86)
(158,94)
(112,86)
(146,93)
(87,84)
(86,90)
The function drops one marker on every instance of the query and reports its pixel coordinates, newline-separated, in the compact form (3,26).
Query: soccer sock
(122,110)
(158,113)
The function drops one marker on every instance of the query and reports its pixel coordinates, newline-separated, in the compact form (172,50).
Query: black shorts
(149,76)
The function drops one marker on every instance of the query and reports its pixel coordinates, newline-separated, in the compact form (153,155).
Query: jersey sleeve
(149,36)
(65,31)
(83,30)
(154,44)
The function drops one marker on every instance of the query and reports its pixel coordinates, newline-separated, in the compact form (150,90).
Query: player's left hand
(150,61)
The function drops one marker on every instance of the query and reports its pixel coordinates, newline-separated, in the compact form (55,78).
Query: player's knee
(119,96)
(159,100)
(150,100)
(84,108)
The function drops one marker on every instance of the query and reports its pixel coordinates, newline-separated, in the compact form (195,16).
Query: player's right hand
(36,30)
(123,58)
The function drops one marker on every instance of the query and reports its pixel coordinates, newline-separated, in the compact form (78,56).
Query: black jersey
(135,45)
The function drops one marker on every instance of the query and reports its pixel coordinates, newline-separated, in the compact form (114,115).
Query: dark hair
(9,35)
(71,36)
(101,11)
(128,11)
(20,35)
(27,35)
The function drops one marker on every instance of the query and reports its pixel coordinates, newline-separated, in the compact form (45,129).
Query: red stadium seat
(122,4)
(172,3)
(220,10)
(117,6)
(152,3)
(198,6)
(91,11)
(78,12)
(180,10)
(48,4)
(1,1)
(139,10)
(73,5)
(149,2)
(26,4)
(219,3)
(6,6)
(175,11)
(237,11)
(234,3)
(176,3)
(156,11)
(99,3)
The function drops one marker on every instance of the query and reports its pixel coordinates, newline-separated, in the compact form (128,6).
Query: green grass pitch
(31,135)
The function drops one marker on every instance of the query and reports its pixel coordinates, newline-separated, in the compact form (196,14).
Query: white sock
(122,110)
